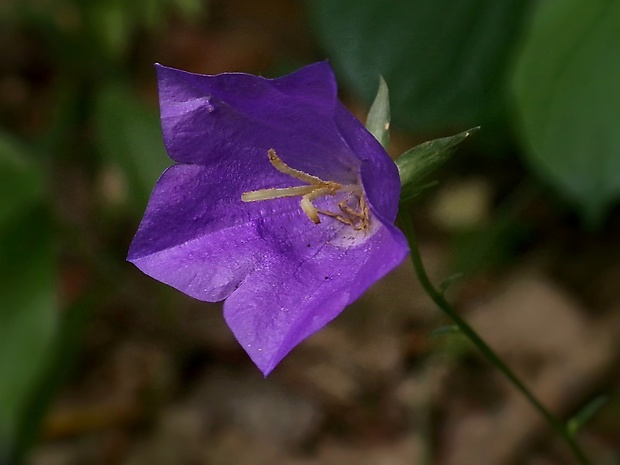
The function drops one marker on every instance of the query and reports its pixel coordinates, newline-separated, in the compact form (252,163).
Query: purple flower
(281,202)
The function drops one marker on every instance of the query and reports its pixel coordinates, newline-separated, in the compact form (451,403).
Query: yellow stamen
(282,167)
(276,193)
(356,217)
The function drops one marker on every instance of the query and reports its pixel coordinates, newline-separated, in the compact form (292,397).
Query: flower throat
(352,211)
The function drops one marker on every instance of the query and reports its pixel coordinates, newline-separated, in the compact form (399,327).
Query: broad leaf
(567,96)
(445,60)
(20,180)
(28,316)
(28,310)
(62,356)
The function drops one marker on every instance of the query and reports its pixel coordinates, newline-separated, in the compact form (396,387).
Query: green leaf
(190,8)
(130,137)
(21,181)
(62,357)
(417,163)
(28,315)
(445,60)
(567,98)
(28,310)
(585,414)
(110,22)
(27,288)
(378,121)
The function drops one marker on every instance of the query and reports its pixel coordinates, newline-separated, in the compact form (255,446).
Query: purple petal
(237,118)
(284,277)
(291,296)
(378,173)
(194,201)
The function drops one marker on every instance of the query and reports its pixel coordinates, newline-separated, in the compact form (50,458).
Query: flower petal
(198,236)
(238,117)
(378,173)
(190,201)
(283,276)
(287,299)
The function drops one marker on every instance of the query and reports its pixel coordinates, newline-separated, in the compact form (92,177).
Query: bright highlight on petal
(256,158)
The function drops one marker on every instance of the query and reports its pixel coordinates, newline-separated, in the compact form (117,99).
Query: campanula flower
(280,202)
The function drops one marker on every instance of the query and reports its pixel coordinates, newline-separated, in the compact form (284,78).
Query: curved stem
(486,350)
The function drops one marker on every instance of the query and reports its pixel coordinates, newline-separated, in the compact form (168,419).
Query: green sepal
(378,120)
(445,330)
(418,162)
(585,414)
(449,281)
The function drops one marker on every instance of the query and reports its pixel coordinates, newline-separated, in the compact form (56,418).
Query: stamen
(309,209)
(356,216)
(282,167)
(276,193)
(360,220)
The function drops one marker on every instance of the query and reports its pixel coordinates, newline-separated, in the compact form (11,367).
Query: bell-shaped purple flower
(281,202)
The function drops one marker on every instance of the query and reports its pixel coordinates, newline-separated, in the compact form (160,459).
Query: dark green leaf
(190,8)
(445,60)
(21,181)
(28,315)
(378,121)
(62,356)
(27,289)
(130,137)
(110,23)
(568,100)
(417,163)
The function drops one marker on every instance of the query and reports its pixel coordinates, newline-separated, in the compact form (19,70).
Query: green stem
(473,336)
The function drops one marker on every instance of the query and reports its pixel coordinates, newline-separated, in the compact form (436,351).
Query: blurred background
(99,364)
